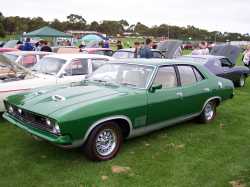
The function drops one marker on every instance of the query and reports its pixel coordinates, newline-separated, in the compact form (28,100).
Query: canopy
(92,37)
(47,32)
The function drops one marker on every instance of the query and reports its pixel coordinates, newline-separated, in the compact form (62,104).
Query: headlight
(56,129)
(20,111)
(10,109)
(48,122)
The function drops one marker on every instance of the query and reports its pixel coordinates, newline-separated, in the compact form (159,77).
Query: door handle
(206,89)
(180,94)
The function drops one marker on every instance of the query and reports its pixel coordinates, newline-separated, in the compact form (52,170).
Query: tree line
(15,25)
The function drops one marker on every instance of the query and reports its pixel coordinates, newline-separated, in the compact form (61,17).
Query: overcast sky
(222,15)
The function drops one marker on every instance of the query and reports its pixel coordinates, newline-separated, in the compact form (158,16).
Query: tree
(141,29)
(94,26)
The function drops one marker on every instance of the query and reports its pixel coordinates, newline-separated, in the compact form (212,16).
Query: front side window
(166,77)
(225,62)
(130,75)
(77,67)
(187,76)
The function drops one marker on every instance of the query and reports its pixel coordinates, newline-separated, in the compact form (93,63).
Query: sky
(221,15)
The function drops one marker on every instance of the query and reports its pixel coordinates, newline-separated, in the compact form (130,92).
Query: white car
(51,70)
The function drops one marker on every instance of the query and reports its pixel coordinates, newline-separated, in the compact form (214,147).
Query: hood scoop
(40,92)
(58,98)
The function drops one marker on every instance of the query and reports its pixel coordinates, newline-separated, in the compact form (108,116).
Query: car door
(75,71)
(194,90)
(163,104)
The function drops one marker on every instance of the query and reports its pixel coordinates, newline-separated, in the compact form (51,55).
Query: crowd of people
(42,45)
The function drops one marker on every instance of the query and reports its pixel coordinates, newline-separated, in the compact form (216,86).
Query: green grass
(188,154)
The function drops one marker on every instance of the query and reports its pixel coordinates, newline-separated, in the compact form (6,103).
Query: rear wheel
(104,142)
(208,113)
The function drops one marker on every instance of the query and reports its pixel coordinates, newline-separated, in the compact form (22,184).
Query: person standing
(246,58)
(137,49)
(27,45)
(45,47)
(119,45)
(146,52)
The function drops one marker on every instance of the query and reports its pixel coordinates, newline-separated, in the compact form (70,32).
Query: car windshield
(11,57)
(123,54)
(49,65)
(131,75)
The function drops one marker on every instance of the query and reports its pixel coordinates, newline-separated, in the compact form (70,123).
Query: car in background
(222,62)
(50,70)
(222,67)
(26,58)
(120,100)
(65,50)
(99,51)
(130,53)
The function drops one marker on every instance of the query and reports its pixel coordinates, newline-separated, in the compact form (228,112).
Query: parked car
(120,100)
(222,67)
(50,70)
(99,51)
(130,53)
(26,58)
(4,49)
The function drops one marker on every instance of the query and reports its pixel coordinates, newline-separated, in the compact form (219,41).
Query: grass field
(188,154)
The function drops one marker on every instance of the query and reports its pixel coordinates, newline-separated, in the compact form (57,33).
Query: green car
(120,100)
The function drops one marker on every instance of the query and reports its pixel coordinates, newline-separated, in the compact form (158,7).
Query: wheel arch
(123,121)
(217,100)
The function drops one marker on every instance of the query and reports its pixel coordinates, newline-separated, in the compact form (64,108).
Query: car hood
(170,47)
(230,51)
(13,65)
(48,101)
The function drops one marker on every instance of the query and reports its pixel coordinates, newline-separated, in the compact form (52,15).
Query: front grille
(30,119)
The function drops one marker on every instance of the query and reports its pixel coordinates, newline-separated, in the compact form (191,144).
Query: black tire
(91,149)
(205,116)
(241,82)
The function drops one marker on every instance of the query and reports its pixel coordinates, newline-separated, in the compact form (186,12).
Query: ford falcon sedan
(120,100)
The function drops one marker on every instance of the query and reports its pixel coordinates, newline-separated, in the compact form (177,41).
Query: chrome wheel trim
(242,80)
(106,142)
(209,111)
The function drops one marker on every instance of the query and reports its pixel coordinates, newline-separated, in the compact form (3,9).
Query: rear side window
(187,75)
(198,75)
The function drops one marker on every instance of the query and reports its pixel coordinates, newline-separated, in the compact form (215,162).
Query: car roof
(133,50)
(28,52)
(78,55)
(154,61)
(204,56)
(97,49)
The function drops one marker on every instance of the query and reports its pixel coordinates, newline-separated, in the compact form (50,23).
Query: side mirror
(155,87)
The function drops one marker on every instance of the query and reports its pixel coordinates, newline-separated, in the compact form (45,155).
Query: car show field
(187,154)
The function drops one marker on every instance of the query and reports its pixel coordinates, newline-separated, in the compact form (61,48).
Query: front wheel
(208,113)
(241,82)
(104,142)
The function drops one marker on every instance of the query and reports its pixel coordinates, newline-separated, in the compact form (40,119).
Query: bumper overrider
(36,125)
